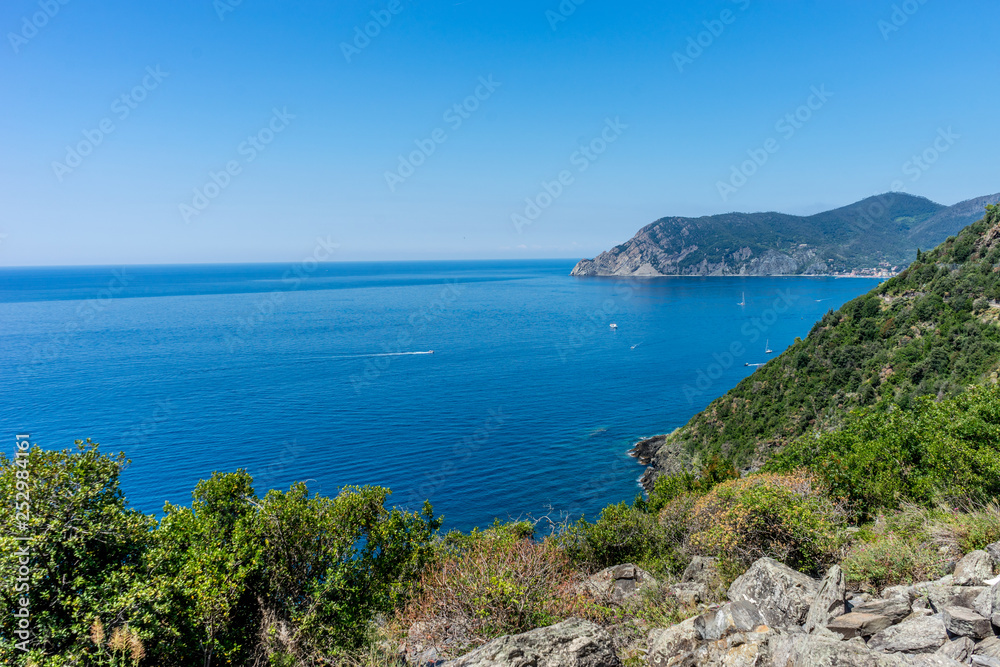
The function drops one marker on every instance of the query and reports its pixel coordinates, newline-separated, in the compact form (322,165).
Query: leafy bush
(668,487)
(85,551)
(623,534)
(930,451)
(495,586)
(889,560)
(231,579)
(786,517)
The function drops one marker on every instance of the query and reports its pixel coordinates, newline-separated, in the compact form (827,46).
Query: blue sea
(324,373)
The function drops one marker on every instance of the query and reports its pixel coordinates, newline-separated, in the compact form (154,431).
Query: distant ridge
(877,236)
(930,331)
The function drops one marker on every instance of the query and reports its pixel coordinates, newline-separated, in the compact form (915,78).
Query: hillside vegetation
(877,233)
(931,330)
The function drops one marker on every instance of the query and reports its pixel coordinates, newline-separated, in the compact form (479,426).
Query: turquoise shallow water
(528,403)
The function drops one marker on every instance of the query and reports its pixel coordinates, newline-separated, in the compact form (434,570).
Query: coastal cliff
(876,236)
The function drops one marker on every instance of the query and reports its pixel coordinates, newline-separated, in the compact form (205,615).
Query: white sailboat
(744,301)
(767,347)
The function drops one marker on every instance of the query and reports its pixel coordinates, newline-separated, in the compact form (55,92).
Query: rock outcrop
(572,643)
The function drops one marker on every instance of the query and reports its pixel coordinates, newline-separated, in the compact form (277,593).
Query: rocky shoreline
(777,617)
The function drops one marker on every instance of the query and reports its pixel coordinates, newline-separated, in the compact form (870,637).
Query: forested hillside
(931,330)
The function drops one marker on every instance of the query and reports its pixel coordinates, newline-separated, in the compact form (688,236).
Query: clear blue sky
(680,130)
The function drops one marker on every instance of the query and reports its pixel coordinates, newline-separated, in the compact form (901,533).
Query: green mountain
(873,235)
(931,330)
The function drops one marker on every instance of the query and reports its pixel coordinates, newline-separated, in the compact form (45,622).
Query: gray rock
(782,594)
(572,643)
(899,592)
(995,620)
(987,602)
(619,583)
(895,608)
(728,619)
(982,661)
(994,551)
(704,571)
(690,594)
(938,594)
(829,601)
(960,649)
(916,635)
(815,651)
(858,625)
(973,569)
(989,648)
(967,596)
(675,646)
(966,623)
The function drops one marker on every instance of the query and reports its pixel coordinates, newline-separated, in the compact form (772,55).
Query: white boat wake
(378,354)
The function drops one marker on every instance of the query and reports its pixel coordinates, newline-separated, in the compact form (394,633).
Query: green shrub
(889,559)
(623,534)
(931,451)
(494,587)
(668,487)
(785,517)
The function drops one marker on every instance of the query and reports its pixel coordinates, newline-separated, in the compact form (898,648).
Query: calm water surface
(528,403)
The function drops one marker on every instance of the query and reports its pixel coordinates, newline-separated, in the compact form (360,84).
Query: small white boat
(767,347)
(744,301)
(614,326)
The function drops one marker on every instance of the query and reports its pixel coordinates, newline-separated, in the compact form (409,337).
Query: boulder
(728,619)
(675,646)
(703,571)
(924,634)
(975,568)
(994,551)
(895,608)
(966,596)
(987,602)
(829,601)
(989,648)
(782,594)
(938,594)
(619,583)
(572,643)
(960,649)
(966,623)
(899,592)
(815,651)
(982,661)
(858,625)
(690,594)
